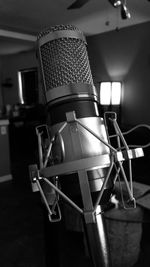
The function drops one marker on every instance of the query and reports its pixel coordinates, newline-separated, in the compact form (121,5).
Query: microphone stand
(91,212)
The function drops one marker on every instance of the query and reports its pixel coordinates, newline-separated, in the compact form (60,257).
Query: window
(28,86)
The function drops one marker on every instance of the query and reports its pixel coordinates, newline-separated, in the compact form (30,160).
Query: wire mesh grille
(60,27)
(64,60)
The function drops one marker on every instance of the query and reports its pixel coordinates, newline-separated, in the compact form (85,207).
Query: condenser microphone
(78,159)
(71,97)
(68,86)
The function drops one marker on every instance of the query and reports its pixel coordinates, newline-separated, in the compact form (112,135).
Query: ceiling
(22,20)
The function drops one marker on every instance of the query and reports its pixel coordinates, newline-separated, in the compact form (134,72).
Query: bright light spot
(20,88)
(105,93)
(116,93)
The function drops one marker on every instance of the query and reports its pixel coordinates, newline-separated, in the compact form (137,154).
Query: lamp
(110,93)
(115,3)
(125,14)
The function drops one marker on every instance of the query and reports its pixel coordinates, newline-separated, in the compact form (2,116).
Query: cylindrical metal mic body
(68,84)
(70,93)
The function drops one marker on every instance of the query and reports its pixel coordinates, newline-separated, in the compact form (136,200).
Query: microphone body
(68,87)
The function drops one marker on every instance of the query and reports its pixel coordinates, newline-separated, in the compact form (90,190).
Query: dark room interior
(35,110)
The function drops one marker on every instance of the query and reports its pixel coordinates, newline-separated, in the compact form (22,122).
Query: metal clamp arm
(54,213)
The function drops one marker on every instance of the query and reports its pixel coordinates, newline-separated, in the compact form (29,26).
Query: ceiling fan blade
(78,4)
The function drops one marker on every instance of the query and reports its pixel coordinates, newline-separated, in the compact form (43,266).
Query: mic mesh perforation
(60,27)
(64,60)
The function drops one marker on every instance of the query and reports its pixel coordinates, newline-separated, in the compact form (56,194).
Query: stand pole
(97,242)
(94,226)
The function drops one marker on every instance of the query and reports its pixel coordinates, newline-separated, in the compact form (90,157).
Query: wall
(125,55)
(10,66)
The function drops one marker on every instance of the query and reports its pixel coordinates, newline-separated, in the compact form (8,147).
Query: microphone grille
(60,27)
(64,60)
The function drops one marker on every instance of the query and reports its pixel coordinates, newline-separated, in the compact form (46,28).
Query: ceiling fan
(115,3)
(78,4)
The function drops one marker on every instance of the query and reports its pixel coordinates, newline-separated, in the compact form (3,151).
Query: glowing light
(110,93)
(115,93)
(105,93)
